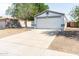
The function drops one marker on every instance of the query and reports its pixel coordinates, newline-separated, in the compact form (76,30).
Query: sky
(59,7)
(63,8)
(3,8)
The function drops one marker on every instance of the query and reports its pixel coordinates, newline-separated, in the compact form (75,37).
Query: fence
(72,24)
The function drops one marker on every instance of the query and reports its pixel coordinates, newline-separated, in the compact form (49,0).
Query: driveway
(30,43)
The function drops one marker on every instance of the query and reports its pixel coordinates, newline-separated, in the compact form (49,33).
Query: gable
(49,14)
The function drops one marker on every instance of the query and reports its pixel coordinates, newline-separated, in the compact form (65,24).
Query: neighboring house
(9,23)
(12,23)
(2,23)
(50,20)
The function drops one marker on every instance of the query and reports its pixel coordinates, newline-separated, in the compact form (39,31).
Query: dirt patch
(11,31)
(67,41)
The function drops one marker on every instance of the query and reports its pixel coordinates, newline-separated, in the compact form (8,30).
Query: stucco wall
(23,23)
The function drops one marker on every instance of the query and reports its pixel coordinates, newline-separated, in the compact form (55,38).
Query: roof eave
(49,11)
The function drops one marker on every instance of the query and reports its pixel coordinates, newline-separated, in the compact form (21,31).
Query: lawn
(67,41)
(11,31)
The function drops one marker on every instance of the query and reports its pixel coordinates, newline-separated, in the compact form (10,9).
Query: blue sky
(63,8)
(60,7)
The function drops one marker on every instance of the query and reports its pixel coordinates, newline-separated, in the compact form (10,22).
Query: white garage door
(50,23)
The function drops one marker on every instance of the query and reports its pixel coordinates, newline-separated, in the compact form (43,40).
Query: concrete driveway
(29,43)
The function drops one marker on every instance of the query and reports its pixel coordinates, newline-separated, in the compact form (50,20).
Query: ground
(67,41)
(29,43)
(11,31)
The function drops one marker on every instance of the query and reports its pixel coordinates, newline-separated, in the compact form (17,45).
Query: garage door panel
(49,23)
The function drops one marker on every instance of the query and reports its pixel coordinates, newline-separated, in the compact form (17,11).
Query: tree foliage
(75,13)
(25,10)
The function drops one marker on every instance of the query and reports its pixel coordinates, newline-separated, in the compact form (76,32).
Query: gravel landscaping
(67,41)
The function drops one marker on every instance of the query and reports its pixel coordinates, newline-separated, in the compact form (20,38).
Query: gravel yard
(67,41)
(11,31)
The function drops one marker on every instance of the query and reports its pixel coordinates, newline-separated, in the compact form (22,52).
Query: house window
(62,25)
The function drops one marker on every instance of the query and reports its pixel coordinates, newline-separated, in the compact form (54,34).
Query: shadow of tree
(69,34)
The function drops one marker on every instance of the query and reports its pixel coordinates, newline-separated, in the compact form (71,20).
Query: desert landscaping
(67,41)
(11,31)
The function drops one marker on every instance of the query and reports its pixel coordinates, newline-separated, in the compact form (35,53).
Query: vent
(47,13)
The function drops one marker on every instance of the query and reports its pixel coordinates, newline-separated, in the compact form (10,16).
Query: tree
(40,7)
(25,11)
(75,14)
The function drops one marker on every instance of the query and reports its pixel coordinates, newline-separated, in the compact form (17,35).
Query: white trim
(48,11)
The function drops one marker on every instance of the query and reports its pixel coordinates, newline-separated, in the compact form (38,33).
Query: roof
(5,18)
(2,19)
(49,11)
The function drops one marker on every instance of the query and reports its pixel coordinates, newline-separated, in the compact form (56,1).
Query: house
(2,23)
(50,20)
(10,22)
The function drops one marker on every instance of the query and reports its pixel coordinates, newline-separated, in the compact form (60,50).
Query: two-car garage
(50,20)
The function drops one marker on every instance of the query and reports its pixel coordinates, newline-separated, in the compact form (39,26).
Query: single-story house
(50,20)
(7,22)
(2,23)
(10,22)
